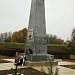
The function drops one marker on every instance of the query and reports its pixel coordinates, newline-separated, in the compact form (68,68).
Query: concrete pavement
(62,70)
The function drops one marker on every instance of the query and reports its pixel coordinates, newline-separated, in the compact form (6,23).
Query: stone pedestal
(38,57)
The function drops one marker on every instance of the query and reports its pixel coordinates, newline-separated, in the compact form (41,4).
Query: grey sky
(14,15)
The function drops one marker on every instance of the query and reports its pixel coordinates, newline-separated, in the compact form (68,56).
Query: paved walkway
(7,66)
(62,70)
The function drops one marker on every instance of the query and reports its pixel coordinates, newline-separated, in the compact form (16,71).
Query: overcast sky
(14,15)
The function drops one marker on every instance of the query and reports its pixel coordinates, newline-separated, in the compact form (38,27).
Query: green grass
(57,47)
(72,56)
(12,45)
(23,45)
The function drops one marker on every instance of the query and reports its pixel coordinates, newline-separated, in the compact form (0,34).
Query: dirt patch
(4,61)
(69,66)
(25,71)
(69,60)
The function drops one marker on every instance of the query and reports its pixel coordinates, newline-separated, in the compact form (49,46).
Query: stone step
(44,63)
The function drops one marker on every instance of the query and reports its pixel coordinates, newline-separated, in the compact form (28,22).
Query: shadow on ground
(25,71)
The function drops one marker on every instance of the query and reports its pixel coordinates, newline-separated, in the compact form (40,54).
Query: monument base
(39,57)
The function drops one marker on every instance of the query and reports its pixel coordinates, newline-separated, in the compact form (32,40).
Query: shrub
(10,51)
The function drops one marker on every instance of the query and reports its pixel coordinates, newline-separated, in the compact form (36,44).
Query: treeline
(21,36)
(53,39)
(17,36)
(5,37)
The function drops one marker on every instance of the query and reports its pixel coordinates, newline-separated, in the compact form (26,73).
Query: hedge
(11,48)
(10,51)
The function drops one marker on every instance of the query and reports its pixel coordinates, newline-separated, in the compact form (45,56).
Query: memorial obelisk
(36,39)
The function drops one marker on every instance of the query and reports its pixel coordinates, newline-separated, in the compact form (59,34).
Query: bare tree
(53,39)
(5,37)
(71,43)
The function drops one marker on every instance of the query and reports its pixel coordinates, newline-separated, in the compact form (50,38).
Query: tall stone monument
(36,39)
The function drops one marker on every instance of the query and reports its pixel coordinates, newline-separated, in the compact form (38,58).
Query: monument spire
(36,39)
